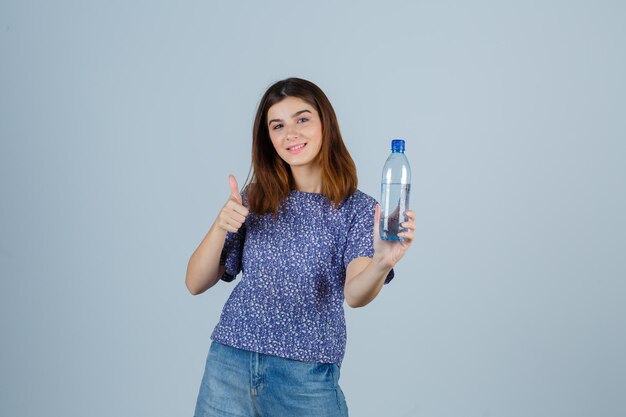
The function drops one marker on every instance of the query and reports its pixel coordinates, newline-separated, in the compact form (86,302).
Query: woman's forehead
(289,106)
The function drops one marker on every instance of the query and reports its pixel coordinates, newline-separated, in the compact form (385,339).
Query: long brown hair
(271,180)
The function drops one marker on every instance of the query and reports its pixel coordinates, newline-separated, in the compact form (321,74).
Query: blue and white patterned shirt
(289,302)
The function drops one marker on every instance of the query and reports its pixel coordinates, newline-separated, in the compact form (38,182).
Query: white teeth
(296,147)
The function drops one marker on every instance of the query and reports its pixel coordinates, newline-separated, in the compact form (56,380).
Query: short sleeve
(360,241)
(231,257)
(232,253)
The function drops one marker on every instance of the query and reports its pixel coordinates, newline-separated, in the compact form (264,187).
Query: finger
(236,217)
(408,236)
(408,225)
(230,216)
(224,224)
(237,207)
(232,219)
(234,188)
(234,224)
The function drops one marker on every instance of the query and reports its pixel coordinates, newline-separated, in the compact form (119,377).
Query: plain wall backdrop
(121,120)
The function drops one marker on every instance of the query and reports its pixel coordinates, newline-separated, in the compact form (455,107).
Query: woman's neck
(307,178)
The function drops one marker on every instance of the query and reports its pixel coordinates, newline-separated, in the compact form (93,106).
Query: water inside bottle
(394,204)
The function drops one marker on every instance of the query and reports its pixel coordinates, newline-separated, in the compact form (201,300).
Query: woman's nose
(291,132)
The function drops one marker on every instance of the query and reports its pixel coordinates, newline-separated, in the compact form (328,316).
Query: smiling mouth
(295,148)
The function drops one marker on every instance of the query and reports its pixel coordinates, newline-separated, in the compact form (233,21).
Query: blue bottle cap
(397,145)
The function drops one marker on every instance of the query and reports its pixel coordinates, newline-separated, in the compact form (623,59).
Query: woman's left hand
(390,252)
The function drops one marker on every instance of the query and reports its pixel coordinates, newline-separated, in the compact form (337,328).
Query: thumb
(234,188)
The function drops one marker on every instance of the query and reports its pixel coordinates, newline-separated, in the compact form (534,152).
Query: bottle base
(392,238)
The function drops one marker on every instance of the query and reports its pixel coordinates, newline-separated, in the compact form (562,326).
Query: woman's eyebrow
(298,113)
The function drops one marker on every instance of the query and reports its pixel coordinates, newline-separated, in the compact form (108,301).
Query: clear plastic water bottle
(395,188)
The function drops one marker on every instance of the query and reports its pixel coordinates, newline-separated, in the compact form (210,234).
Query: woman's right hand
(204,269)
(234,213)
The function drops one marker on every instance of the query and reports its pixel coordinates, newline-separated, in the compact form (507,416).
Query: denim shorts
(239,383)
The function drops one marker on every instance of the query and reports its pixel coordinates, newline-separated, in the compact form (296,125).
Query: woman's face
(295,130)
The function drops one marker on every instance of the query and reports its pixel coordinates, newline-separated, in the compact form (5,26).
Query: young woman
(305,239)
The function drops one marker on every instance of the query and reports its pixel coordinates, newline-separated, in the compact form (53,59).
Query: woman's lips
(296,149)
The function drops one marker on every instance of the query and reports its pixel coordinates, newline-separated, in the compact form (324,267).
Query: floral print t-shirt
(289,301)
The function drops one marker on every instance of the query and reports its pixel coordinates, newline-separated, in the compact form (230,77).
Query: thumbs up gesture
(234,213)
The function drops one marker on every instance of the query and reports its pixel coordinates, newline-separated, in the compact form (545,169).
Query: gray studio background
(120,122)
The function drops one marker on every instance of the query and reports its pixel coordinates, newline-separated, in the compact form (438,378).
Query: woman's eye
(277,126)
(303,120)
